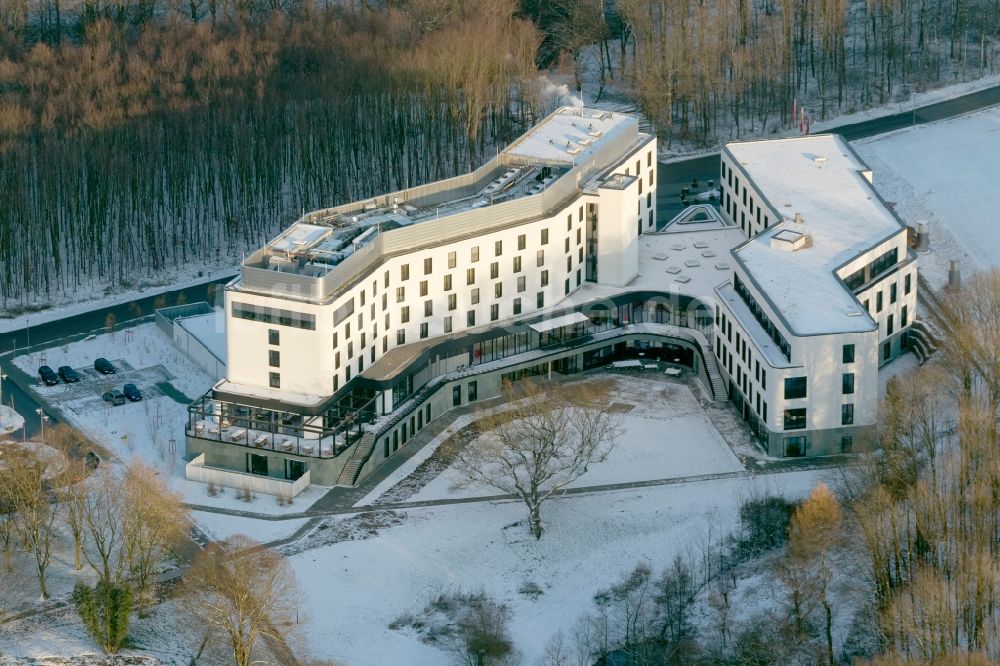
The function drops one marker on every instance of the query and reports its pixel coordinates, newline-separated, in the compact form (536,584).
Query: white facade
(823,292)
(470,269)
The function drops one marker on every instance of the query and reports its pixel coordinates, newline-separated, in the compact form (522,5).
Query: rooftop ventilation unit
(788,240)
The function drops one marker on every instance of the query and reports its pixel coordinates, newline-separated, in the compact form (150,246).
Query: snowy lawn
(219,526)
(666,434)
(944,173)
(591,541)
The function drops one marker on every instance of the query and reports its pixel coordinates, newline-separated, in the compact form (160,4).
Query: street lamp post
(2,378)
(41,421)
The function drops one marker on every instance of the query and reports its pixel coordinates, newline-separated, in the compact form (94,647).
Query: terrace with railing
(326,435)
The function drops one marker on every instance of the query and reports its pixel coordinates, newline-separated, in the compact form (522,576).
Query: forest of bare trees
(711,71)
(136,138)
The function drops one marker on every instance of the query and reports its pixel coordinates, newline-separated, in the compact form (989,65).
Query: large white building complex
(356,328)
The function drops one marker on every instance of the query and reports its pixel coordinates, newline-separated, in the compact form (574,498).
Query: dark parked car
(114,396)
(68,374)
(48,376)
(103,366)
(92,460)
(132,392)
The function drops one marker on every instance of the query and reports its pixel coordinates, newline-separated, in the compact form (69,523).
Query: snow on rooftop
(820,178)
(209,329)
(569,134)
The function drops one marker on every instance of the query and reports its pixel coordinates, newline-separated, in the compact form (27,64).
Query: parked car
(68,374)
(132,392)
(48,376)
(103,366)
(114,396)
(92,460)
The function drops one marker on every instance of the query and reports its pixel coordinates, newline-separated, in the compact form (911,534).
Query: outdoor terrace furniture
(308,449)
(286,445)
(619,365)
(325,451)
(650,365)
(261,440)
(212,430)
(673,372)
(199,428)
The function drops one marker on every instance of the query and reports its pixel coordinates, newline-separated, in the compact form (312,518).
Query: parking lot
(85,395)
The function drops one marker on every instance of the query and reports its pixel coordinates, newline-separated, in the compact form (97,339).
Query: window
(400,294)
(579,236)
(428,308)
(452,259)
(763,383)
(336,361)
(566,249)
(517,264)
(847,383)
(472,391)
(498,248)
(846,443)
(569,221)
(274,336)
(470,276)
(257,464)
(904,317)
(878,302)
(847,414)
(545,278)
(906,284)
(498,290)
(545,236)
(447,324)
(470,318)
(522,242)
(517,306)
(423,287)
(404,272)
(456,396)
(795,419)
(540,258)
(795,447)
(494,312)
(847,355)
(566,286)
(428,266)
(522,284)
(892,293)
(474,254)
(795,387)
(494,270)
(475,296)
(274,380)
(540,299)
(404,314)
(385,280)
(350,350)
(401,337)
(452,301)
(888,325)
(887,351)
(274,358)
(423,330)
(868,305)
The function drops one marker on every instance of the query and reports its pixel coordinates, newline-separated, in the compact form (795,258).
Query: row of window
(795,419)
(761,317)
(277,316)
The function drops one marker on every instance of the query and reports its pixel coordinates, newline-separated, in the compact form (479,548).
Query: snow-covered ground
(944,173)
(665,434)
(10,420)
(220,526)
(590,542)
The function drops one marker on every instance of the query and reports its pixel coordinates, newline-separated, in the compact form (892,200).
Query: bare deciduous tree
(547,442)
(245,591)
(24,481)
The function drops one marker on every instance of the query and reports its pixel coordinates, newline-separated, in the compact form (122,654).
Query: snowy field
(945,173)
(665,434)
(591,541)
(221,526)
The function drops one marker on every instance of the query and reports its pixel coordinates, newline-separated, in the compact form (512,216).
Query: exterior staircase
(352,469)
(714,376)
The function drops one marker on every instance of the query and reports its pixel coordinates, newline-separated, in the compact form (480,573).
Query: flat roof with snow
(821,179)
(568,135)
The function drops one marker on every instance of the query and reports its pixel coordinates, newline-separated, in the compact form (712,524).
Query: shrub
(105,610)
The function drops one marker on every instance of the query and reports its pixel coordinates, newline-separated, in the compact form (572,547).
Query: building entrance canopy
(559,322)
